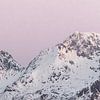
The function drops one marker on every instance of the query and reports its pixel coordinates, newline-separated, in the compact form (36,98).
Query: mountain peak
(92,36)
(85,34)
(7,61)
(84,43)
(5,54)
(10,70)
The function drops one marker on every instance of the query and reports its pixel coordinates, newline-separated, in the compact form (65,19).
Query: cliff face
(68,71)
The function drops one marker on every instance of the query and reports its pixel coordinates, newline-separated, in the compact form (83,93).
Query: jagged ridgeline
(68,71)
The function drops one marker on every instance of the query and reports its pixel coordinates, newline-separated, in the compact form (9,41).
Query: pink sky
(29,26)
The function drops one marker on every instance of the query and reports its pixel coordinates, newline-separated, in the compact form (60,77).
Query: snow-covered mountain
(10,70)
(68,71)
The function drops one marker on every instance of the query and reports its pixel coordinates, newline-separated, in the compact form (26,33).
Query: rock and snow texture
(10,70)
(68,71)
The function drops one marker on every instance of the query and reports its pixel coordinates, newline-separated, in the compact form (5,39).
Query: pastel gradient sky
(29,26)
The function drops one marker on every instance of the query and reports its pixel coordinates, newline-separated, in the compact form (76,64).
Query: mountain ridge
(68,71)
(9,70)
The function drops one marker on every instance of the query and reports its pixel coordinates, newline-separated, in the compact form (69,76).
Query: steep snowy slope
(10,70)
(68,71)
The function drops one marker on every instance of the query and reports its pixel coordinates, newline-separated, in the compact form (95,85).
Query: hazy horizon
(29,26)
